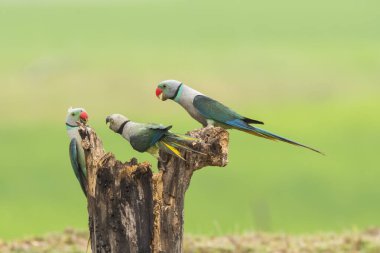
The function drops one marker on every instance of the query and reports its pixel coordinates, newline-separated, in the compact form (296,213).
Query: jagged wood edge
(214,144)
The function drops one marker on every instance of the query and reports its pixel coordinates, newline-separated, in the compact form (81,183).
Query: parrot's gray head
(168,89)
(117,122)
(75,115)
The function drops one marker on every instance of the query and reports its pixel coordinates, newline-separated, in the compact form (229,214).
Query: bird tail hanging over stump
(133,210)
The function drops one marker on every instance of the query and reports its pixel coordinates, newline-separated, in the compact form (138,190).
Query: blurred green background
(309,69)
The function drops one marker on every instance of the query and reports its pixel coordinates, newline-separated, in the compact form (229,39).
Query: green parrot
(150,138)
(76,151)
(210,112)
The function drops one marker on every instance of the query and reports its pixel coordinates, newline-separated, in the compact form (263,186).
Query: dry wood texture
(133,210)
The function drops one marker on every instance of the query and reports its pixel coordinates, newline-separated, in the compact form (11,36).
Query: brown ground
(367,241)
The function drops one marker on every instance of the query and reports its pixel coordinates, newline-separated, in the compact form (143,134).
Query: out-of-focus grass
(309,70)
(367,241)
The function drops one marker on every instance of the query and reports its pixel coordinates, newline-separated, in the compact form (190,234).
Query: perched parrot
(77,157)
(210,112)
(150,138)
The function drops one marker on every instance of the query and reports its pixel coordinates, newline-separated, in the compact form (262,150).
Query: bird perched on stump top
(77,157)
(210,112)
(150,138)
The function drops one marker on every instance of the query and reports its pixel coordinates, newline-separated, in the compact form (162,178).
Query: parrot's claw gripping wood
(84,131)
(132,209)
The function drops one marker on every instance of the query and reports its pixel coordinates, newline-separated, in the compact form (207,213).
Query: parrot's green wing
(212,109)
(148,136)
(78,171)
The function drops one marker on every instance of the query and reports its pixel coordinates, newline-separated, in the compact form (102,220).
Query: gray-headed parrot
(76,151)
(210,112)
(150,138)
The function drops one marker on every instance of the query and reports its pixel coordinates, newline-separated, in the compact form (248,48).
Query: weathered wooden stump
(134,210)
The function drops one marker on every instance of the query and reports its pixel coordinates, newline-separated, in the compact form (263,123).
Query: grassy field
(367,241)
(309,70)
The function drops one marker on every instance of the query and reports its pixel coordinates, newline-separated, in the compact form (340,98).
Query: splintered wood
(134,210)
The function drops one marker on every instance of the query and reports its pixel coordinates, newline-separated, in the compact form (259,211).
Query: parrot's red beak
(83,117)
(158,92)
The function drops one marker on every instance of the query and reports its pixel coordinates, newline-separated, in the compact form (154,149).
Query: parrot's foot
(210,123)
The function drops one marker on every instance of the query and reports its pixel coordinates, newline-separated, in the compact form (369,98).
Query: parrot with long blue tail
(150,138)
(210,112)
(77,157)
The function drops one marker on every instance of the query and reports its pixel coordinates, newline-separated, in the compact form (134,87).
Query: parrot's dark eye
(73,114)
(164,86)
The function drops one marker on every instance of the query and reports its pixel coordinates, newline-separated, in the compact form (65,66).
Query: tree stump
(133,210)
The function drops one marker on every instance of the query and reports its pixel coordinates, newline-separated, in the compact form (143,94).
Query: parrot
(210,112)
(77,157)
(150,137)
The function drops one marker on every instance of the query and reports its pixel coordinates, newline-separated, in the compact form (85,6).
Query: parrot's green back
(212,109)
(147,136)
(153,137)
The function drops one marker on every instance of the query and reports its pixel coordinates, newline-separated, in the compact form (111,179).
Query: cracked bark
(131,209)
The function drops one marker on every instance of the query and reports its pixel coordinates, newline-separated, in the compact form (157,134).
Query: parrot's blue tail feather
(241,125)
